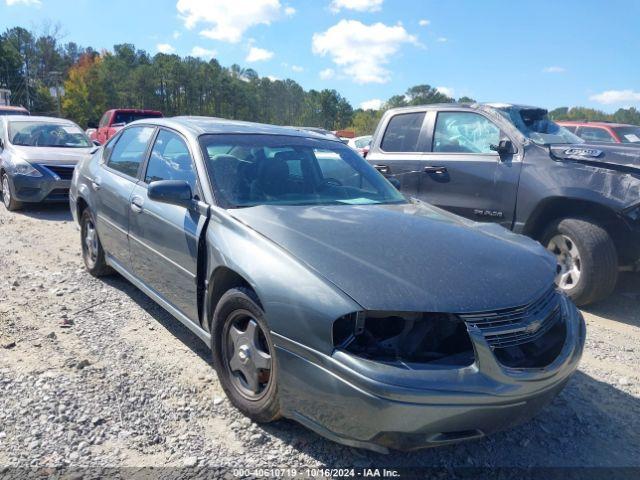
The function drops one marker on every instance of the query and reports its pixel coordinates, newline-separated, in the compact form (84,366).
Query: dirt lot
(93,373)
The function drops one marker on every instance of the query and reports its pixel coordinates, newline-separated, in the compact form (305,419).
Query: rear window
(124,118)
(403,133)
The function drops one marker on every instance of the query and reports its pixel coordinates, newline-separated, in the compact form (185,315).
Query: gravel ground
(94,374)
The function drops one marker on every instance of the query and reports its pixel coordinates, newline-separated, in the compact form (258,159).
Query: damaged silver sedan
(325,295)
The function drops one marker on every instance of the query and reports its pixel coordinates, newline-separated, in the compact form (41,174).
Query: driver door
(463,174)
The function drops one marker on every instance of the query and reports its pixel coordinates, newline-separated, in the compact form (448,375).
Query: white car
(360,144)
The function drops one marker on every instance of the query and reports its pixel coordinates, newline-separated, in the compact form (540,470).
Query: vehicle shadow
(160,315)
(52,212)
(624,305)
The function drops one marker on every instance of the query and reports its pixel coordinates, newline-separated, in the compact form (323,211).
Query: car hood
(408,257)
(52,155)
(617,156)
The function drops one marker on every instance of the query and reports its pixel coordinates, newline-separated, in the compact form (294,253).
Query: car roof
(30,118)
(211,125)
(594,124)
(13,108)
(134,110)
(462,106)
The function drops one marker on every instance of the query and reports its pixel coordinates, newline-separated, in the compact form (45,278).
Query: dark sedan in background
(325,295)
(37,158)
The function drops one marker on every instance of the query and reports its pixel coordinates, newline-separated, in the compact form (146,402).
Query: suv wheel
(587,259)
(92,252)
(243,355)
(8,200)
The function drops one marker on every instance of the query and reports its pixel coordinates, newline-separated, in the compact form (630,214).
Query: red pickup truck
(114,120)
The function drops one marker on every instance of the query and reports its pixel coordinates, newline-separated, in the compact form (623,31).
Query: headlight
(20,167)
(399,337)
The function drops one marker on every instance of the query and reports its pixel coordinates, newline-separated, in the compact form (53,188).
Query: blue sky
(541,52)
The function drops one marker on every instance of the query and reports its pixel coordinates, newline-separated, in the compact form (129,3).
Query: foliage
(623,115)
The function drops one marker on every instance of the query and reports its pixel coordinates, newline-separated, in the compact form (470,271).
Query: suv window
(571,128)
(464,132)
(170,160)
(595,134)
(128,152)
(403,133)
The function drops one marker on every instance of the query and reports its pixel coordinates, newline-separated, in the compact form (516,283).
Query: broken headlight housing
(401,337)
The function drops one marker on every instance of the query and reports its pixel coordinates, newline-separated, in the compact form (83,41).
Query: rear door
(399,152)
(164,238)
(113,184)
(462,173)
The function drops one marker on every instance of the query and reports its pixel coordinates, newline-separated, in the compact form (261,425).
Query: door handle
(136,204)
(95,183)
(384,169)
(436,170)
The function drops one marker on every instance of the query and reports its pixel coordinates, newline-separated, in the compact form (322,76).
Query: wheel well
(223,280)
(81,206)
(557,208)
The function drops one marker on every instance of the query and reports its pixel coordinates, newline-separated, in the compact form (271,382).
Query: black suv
(510,164)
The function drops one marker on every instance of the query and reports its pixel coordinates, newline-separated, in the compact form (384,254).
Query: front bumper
(47,188)
(366,404)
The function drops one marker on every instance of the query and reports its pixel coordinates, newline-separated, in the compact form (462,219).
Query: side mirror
(395,182)
(173,192)
(504,147)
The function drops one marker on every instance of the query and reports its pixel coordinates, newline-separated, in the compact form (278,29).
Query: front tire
(92,252)
(244,355)
(8,198)
(587,259)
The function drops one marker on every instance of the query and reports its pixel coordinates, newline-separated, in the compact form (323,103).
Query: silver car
(37,158)
(325,295)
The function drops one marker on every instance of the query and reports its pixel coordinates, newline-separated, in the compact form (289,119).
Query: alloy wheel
(6,192)
(569,261)
(90,239)
(247,355)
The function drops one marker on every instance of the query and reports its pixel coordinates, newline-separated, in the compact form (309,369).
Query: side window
(170,160)
(128,152)
(464,132)
(403,133)
(594,134)
(571,128)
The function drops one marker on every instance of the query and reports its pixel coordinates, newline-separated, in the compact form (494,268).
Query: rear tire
(92,252)
(245,363)
(8,198)
(587,259)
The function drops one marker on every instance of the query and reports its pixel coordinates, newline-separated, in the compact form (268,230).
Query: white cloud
(424,23)
(257,54)
(228,19)
(362,50)
(448,91)
(358,5)
(203,52)
(27,3)
(289,11)
(373,104)
(165,48)
(442,39)
(616,96)
(297,68)
(327,74)
(554,69)
(176,34)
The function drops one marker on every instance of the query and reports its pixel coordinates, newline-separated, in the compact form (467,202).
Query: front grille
(519,325)
(65,172)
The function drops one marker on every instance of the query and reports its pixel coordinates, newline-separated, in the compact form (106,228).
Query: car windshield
(47,134)
(629,134)
(362,141)
(535,124)
(126,118)
(250,170)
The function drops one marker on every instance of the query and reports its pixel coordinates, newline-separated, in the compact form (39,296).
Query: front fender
(298,303)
